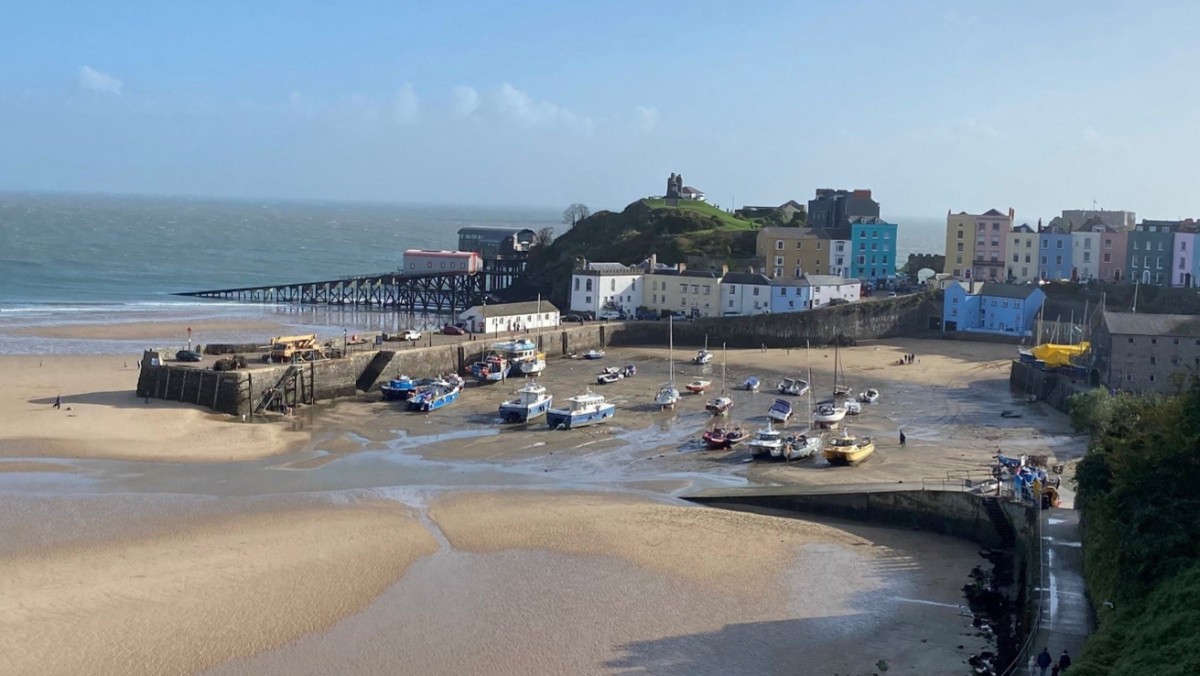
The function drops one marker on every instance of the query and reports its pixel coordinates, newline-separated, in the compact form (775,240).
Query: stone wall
(1053,388)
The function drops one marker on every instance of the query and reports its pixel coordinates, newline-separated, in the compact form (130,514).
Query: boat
(608,378)
(723,438)
(828,413)
(532,402)
(439,394)
(582,410)
(723,403)
(751,384)
(668,394)
(793,386)
(848,449)
(516,352)
(493,369)
(765,441)
(736,436)
(802,446)
(399,388)
(594,354)
(852,406)
(780,411)
(840,388)
(703,356)
(869,396)
(629,371)
(536,364)
(698,386)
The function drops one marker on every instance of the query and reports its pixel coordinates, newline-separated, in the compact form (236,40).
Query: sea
(79,259)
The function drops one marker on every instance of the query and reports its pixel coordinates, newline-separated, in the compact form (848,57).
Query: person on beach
(58,401)
(1044,660)
(1064,662)
(902,438)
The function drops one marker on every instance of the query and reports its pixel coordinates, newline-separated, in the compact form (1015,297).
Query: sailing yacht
(808,444)
(537,364)
(840,389)
(668,394)
(830,412)
(723,402)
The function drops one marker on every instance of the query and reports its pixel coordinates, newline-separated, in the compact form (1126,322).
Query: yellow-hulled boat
(848,449)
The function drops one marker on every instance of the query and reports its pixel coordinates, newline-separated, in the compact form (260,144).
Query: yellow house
(791,253)
(960,245)
(694,293)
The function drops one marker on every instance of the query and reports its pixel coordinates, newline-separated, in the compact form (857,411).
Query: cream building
(960,245)
(794,252)
(695,293)
(1022,255)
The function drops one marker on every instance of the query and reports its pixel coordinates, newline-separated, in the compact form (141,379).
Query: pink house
(1113,245)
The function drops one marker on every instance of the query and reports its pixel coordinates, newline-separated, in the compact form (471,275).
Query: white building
(1022,253)
(825,288)
(418,261)
(841,252)
(1085,255)
(527,316)
(745,293)
(606,286)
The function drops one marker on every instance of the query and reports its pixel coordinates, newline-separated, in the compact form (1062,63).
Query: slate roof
(751,278)
(1024,227)
(826,280)
(708,274)
(992,212)
(511,309)
(1020,291)
(609,268)
(1130,324)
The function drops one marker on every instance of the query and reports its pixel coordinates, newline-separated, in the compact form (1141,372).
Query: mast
(722,369)
(671,347)
(808,357)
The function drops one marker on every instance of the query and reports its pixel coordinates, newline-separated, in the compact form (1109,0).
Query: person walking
(1044,660)
(903,438)
(58,401)
(1064,662)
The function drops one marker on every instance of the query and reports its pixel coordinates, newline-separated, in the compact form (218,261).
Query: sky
(934,105)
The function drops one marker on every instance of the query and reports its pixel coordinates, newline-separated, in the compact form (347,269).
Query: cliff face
(672,231)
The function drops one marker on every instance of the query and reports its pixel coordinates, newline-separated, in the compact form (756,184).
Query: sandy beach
(359,536)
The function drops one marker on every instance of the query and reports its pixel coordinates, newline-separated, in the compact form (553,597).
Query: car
(572,318)
(410,334)
(188,355)
(838,301)
(609,314)
(452,330)
(890,294)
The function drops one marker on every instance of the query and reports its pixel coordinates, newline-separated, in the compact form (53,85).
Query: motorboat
(793,386)
(719,406)
(698,386)
(439,394)
(848,449)
(736,436)
(802,446)
(582,410)
(751,384)
(869,396)
(629,371)
(852,406)
(399,388)
(493,368)
(594,354)
(765,441)
(828,413)
(721,438)
(607,378)
(532,402)
(780,411)
(668,394)
(517,353)
(702,357)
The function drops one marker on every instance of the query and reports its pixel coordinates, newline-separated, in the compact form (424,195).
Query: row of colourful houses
(864,249)
(986,247)
(613,287)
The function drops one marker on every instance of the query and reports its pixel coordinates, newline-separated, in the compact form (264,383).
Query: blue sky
(934,105)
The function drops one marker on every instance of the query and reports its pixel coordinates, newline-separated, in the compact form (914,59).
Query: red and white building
(418,261)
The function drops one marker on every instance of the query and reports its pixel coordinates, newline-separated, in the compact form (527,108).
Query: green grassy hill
(671,229)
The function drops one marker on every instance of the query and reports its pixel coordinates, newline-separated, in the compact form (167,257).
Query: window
(800,245)
(1154,341)
(587,299)
(730,302)
(683,288)
(1107,258)
(1129,377)
(874,234)
(958,260)
(612,285)
(779,245)
(695,288)
(887,235)
(1153,360)
(960,234)
(1158,260)
(576,283)
(1016,258)
(1045,243)
(1058,260)
(756,291)
(778,261)
(1183,245)
(1087,256)
(995,241)
(862,260)
(1058,244)
(588,285)
(818,245)
(1136,245)
(1135,261)
(1027,258)
(1087,243)
(1151,377)
(1131,341)
(732,289)
(874,246)
(1028,243)
(708,289)
(1181,262)
(1107,243)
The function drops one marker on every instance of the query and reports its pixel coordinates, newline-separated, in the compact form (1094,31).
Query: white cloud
(94,80)
(645,119)
(407,104)
(466,100)
(520,107)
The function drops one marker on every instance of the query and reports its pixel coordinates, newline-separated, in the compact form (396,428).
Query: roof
(992,212)
(609,269)
(1024,227)
(508,309)
(752,278)
(689,273)
(688,188)
(836,233)
(1020,291)
(812,233)
(827,280)
(492,232)
(1128,323)
(868,220)
(433,252)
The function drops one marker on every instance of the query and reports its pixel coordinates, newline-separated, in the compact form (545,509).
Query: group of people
(908,358)
(1044,661)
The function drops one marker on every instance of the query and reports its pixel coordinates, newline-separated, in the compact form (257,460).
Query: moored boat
(668,394)
(702,357)
(399,388)
(532,402)
(719,406)
(848,449)
(582,410)
(793,386)
(802,446)
(439,394)
(780,411)
(765,442)
(869,396)
(594,354)
(493,369)
(852,406)
(751,384)
(608,377)
(721,438)
(698,386)
(828,413)
(516,353)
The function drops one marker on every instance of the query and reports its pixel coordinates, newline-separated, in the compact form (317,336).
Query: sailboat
(839,389)
(808,444)
(703,356)
(668,394)
(537,364)
(830,412)
(723,402)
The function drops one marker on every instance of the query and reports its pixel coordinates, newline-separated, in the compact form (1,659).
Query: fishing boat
(828,413)
(536,364)
(581,410)
(439,394)
(607,377)
(869,396)
(516,352)
(399,388)
(493,368)
(723,403)
(668,394)
(802,446)
(793,386)
(532,402)
(766,440)
(751,384)
(703,356)
(780,411)
(698,386)
(594,354)
(848,449)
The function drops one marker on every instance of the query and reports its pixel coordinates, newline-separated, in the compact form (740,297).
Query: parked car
(410,334)
(838,301)
(609,314)
(452,330)
(572,318)
(188,355)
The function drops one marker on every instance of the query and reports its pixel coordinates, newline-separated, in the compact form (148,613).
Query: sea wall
(1053,388)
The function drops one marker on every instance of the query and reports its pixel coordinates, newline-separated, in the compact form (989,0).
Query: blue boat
(582,410)
(399,388)
(532,402)
(440,394)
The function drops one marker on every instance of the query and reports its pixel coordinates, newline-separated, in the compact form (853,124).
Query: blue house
(790,295)
(1006,309)
(873,244)
(1054,257)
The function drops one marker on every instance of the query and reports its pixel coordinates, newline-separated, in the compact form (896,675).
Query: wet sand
(203,330)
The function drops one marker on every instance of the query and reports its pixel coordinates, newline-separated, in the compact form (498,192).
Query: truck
(290,348)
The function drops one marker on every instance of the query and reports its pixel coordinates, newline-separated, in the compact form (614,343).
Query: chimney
(680,267)
(725,270)
(653,262)
(1011,213)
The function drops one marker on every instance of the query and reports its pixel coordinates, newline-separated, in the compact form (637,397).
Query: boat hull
(560,419)
(427,404)
(512,412)
(848,455)
(395,394)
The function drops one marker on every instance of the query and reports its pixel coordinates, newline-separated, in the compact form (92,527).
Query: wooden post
(200,388)
(167,384)
(216,390)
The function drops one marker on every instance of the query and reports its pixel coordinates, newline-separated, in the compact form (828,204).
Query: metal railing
(1022,657)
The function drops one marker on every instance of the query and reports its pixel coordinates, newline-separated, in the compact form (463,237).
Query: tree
(544,236)
(575,213)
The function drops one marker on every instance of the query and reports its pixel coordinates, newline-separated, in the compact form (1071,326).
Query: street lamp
(345,346)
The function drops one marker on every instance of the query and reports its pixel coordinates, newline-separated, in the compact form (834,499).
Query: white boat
(582,410)
(594,354)
(703,356)
(828,413)
(532,402)
(607,378)
(852,407)
(536,364)
(870,396)
(668,394)
(516,352)
(840,388)
(793,386)
(766,442)
(780,411)
(751,384)
(802,446)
